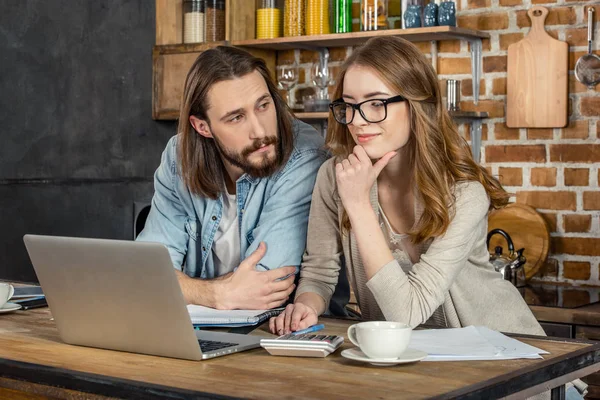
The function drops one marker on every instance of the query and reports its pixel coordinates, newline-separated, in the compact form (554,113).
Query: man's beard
(263,168)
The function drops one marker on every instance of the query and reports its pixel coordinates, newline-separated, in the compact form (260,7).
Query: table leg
(558,393)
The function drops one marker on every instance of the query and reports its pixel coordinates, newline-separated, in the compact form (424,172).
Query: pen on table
(310,329)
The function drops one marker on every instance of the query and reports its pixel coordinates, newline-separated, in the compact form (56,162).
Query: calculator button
(286,337)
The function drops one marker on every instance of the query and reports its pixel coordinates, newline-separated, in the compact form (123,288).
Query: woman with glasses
(402,206)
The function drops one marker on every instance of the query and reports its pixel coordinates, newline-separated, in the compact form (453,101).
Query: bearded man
(233,190)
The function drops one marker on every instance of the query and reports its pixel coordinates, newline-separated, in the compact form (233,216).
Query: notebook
(206,316)
(27,291)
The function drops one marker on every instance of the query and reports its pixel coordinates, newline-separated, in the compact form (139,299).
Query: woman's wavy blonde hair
(440,157)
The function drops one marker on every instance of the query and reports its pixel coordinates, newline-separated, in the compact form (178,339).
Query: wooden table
(581,323)
(34,362)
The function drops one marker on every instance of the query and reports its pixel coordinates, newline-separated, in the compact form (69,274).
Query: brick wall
(556,171)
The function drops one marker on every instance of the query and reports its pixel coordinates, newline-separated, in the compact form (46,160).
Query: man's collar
(252,180)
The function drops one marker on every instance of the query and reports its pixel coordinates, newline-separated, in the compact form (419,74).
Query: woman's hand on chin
(356,175)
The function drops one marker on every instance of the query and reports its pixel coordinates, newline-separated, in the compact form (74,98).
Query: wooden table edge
(579,363)
(103,385)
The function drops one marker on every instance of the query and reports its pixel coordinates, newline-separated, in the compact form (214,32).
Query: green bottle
(343,16)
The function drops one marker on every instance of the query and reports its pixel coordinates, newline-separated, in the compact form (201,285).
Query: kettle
(511,265)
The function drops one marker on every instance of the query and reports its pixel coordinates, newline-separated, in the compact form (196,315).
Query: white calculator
(307,345)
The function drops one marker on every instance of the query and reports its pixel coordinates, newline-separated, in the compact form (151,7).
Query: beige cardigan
(453,271)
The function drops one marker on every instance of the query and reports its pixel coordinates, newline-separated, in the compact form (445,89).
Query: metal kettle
(511,265)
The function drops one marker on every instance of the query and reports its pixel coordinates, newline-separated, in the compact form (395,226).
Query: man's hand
(247,288)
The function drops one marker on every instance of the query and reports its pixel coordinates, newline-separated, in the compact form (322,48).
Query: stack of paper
(470,343)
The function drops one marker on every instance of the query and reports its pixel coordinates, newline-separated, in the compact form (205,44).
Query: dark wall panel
(100,210)
(78,145)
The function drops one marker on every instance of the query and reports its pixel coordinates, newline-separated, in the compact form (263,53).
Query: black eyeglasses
(373,110)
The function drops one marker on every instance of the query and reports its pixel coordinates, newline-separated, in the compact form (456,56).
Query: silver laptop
(122,295)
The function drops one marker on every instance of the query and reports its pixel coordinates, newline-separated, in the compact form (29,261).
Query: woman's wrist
(308,299)
(356,207)
(359,215)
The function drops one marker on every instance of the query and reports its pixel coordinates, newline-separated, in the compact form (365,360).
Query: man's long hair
(200,162)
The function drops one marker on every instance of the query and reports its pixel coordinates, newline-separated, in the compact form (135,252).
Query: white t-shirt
(226,244)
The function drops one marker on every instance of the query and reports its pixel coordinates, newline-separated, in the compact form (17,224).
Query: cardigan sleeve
(322,259)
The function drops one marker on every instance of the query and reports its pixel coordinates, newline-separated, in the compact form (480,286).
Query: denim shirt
(273,210)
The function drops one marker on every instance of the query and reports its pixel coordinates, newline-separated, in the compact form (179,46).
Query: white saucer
(409,356)
(8,307)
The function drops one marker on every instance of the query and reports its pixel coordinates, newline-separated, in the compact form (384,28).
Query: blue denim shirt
(273,210)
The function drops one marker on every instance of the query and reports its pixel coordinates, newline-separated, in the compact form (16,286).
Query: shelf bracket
(434,55)
(475,66)
(476,140)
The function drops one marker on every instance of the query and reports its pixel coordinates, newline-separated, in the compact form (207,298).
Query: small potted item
(430,15)
(447,14)
(412,16)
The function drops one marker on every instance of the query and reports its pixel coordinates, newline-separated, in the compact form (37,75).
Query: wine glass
(287,77)
(321,77)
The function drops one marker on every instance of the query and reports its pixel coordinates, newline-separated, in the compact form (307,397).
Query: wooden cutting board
(537,78)
(527,229)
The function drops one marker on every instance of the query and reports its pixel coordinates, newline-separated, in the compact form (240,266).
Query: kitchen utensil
(587,69)
(510,265)
(537,78)
(476,46)
(452,95)
(527,229)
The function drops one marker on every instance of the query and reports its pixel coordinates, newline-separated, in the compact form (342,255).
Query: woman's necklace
(394,237)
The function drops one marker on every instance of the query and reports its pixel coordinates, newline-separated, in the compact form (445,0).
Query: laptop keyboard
(211,345)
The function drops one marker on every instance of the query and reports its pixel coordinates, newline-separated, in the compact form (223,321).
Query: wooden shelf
(356,38)
(172,59)
(186,47)
(469,114)
(453,114)
(311,115)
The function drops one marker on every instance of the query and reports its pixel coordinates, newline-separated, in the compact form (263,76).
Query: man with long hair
(233,190)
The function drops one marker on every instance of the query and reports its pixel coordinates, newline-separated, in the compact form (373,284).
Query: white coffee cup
(6,292)
(384,340)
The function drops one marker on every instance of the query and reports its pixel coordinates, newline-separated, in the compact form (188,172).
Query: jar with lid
(193,21)
(215,20)
(317,17)
(373,15)
(342,16)
(269,21)
(293,17)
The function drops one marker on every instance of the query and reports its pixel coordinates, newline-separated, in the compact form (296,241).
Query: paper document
(470,343)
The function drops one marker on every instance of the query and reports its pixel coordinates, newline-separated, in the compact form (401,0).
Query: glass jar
(215,20)
(342,16)
(412,16)
(293,18)
(268,19)
(317,17)
(373,15)
(430,15)
(447,13)
(193,21)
